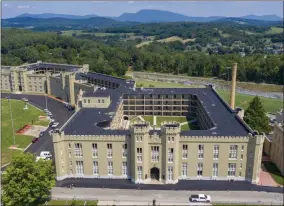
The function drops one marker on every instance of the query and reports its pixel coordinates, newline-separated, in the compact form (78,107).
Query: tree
(27,182)
(255,116)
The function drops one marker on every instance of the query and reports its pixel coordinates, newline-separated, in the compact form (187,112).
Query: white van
(46,154)
(200,198)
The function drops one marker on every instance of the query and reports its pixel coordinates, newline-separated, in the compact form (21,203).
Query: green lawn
(69,202)
(161,119)
(242,100)
(21,117)
(274,172)
(274,30)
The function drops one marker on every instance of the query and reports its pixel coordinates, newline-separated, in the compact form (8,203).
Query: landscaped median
(21,117)
(274,172)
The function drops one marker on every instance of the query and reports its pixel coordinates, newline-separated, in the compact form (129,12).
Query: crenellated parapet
(58,137)
(217,139)
(140,127)
(170,127)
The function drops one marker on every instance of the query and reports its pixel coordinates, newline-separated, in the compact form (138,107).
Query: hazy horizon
(114,9)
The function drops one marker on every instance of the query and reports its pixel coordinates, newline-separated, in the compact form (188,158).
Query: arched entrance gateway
(155,173)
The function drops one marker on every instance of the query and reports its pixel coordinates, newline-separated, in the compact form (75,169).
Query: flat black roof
(68,67)
(226,121)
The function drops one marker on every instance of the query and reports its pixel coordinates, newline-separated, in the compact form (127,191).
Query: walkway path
(194,120)
(265,179)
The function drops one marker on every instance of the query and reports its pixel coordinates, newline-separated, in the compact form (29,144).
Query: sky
(115,8)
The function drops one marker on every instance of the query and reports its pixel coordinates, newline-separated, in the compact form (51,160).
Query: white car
(46,110)
(25,99)
(55,124)
(45,154)
(200,198)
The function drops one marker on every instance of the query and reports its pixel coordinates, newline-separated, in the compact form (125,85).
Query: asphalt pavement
(60,113)
(165,197)
(201,185)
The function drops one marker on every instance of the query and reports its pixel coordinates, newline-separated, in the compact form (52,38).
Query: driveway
(58,110)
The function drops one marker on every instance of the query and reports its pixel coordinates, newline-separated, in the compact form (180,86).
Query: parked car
(46,110)
(25,99)
(46,154)
(200,198)
(52,120)
(34,140)
(55,124)
(41,133)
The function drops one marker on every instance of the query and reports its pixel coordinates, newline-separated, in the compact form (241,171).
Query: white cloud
(23,6)
(98,1)
(130,2)
(5,5)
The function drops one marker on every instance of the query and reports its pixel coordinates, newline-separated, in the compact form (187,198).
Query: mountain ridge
(153,16)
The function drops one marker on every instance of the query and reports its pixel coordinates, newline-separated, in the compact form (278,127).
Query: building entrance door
(155,173)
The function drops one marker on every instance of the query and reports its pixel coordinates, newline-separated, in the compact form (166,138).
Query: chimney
(233,89)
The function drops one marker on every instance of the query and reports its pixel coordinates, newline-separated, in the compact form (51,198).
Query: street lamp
(45,90)
(11,120)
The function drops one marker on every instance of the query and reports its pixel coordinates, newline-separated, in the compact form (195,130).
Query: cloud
(130,2)
(5,5)
(23,6)
(98,1)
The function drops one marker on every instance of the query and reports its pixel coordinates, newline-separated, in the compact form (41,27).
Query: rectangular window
(184,169)
(89,101)
(216,152)
(200,151)
(170,155)
(170,173)
(109,150)
(215,170)
(184,151)
(124,150)
(232,170)
(155,154)
(79,168)
(200,169)
(139,139)
(233,152)
(139,154)
(96,167)
(242,156)
(139,173)
(95,150)
(243,147)
(110,168)
(103,101)
(124,168)
(69,146)
(78,150)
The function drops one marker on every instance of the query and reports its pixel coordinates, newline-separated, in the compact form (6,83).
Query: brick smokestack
(233,89)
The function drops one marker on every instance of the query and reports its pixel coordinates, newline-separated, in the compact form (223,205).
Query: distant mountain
(62,23)
(263,17)
(51,15)
(151,16)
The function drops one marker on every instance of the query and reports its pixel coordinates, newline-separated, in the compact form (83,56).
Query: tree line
(114,57)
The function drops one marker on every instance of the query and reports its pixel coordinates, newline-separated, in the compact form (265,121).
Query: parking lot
(59,111)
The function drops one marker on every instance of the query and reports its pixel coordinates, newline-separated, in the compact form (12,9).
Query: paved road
(201,185)
(60,113)
(164,196)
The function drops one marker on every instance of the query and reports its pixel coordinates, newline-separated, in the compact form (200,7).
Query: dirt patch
(34,130)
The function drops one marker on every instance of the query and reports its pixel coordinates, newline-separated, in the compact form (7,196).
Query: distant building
(243,54)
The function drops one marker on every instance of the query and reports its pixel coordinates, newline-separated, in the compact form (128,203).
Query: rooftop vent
(214,133)
(213,105)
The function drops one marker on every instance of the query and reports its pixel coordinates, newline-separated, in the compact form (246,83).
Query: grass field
(242,100)
(274,172)
(69,202)
(166,40)
(274,30)
(21,117)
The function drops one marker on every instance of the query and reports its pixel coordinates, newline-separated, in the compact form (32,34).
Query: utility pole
(11,120)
